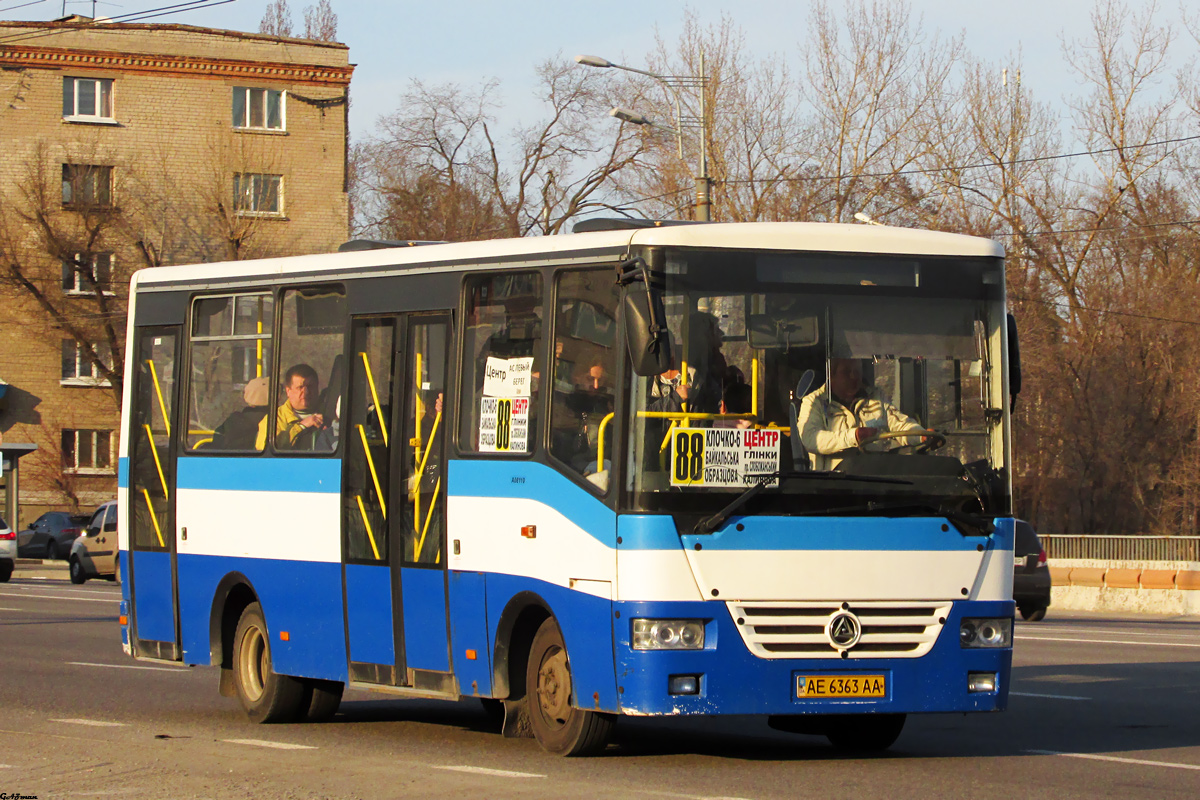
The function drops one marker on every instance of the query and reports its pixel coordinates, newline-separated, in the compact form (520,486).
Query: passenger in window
(851,416)
(239,431)
(297,423)
(738,399)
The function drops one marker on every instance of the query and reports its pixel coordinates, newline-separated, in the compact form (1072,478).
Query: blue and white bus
(581,476)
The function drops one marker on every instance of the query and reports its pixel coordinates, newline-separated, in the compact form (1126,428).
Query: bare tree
(320,23)
(440,168)
(277,19)
(61,254)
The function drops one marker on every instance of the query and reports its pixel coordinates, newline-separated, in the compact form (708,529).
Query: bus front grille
(791,630)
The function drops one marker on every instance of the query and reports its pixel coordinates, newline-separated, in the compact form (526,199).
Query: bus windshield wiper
(710,524)
(965,523)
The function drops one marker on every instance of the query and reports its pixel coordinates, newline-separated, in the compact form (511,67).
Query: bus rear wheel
(558,725)
(265,695)
(864,732)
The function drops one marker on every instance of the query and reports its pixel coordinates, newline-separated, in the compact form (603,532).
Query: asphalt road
(1102,706)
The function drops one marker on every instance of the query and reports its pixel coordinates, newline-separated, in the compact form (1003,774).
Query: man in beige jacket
(851,416)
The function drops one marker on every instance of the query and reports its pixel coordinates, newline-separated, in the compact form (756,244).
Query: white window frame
(84,370)
(240,197)
(245,123)
(78,289)
(96,435)
(97,98)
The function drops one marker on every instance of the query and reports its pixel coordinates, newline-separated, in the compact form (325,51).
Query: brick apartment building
(131,145)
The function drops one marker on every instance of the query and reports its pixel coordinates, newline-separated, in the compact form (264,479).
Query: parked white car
(8,551)
(94,555)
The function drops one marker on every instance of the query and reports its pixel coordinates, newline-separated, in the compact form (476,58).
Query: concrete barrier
(1123,578)
(1146,587)
(1158,578)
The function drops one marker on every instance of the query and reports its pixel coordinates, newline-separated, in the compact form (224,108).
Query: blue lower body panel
(303,598)
(426,642)
(369,614)
(154,601)
(735,681)
(469,633)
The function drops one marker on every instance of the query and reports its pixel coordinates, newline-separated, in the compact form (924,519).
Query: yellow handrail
(362,432)
(600,445)
(425,529)
(162,404)
(437,421)
(161,475)
(154,518)
(375,396)
(362,509)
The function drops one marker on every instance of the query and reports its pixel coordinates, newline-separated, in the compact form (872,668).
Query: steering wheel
(933,440)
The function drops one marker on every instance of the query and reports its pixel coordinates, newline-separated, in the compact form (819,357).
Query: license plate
(818,686)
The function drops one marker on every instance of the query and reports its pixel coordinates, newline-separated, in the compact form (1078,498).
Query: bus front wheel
(265,695)
(558,725)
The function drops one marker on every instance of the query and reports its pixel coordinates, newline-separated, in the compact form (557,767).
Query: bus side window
(230,368)
(501,362)
(306,417)
(584,364)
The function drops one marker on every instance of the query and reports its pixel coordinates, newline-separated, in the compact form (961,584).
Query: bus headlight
(668,634)
(985,632)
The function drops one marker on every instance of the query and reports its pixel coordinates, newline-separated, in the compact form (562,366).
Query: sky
(468,41)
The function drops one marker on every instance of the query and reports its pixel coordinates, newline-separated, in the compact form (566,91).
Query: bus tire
(864,732)
(558,725)
(322,699)
(265,695)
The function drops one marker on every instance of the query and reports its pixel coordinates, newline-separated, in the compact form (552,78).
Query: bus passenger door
(393,503)
(422,504)
(373,635)
(152,565)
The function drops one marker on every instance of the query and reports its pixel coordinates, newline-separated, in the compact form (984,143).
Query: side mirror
(1014,363)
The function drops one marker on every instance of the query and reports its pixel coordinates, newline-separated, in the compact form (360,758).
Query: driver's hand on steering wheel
(865,434)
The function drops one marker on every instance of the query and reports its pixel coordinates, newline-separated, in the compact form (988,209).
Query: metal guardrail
(1122,548)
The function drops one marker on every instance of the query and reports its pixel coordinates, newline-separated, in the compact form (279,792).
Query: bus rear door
(152,571)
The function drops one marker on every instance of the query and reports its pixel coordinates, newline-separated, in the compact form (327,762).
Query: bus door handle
(183,534)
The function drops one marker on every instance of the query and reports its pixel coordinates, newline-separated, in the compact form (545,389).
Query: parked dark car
(1031,574)
(51,535)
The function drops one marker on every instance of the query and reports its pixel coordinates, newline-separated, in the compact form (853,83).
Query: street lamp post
(674,84)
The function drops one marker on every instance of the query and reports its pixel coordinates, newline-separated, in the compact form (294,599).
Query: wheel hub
(554,686)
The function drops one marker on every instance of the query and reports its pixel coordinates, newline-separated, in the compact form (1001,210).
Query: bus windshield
(841,366)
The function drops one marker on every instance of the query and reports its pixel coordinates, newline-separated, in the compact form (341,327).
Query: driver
(851,416)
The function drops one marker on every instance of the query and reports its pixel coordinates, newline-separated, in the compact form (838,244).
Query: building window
(258,108)
(78,369)
(254,193)
(87,274)
(86,185)
(87,99)
(86,451)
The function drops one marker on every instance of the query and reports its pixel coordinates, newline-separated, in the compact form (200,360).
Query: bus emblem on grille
(843,630)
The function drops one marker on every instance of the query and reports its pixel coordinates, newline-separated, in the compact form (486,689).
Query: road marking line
(1105,641)
(1116,759)
(128,666)
(273,745)
(497,773)
(116,598)
(93,722)
(1052,696)
(1127,632)
(11,609)
(7,766)
(71,591)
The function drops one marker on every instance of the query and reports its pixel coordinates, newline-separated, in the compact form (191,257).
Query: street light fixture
(673,83)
